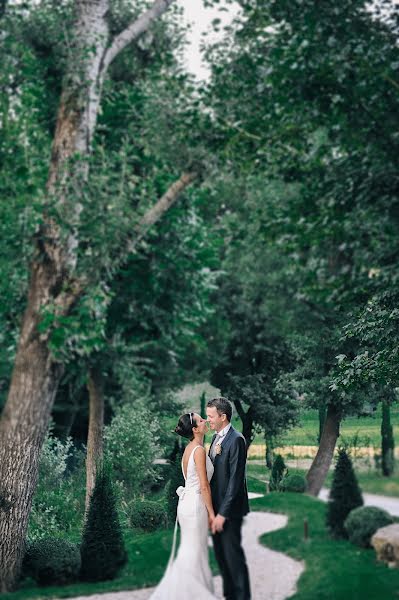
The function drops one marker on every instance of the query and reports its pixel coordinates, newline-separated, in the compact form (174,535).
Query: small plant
(345,495)
(52,561)
(279,470)
(362,523)
(293,482)
(147,515)
(103,551)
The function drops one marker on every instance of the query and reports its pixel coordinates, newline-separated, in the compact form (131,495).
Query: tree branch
(155,213)
(240,410)
(135,29)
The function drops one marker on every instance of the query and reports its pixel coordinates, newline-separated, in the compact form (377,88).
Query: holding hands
(216,524)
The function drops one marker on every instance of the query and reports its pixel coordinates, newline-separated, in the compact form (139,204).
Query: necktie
(213,451)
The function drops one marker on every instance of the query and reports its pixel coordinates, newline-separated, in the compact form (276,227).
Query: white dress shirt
(222,433)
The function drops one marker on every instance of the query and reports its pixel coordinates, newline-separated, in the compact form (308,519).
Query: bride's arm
(200,462)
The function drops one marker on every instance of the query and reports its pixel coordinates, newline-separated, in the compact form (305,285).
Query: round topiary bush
(52,561)
(147,515)
(362,523)
(293,482)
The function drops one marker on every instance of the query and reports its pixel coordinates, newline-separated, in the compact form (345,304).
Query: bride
(189,575)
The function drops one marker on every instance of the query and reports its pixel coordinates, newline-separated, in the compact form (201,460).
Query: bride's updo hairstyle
(185,426)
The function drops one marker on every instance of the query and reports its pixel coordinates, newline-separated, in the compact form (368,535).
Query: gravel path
(273,574)
(388,503)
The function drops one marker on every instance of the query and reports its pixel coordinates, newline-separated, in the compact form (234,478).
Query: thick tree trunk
(23,427)
(269,452)
(322,461)
(322,418)
(247,422)
(36,373)
(94,456)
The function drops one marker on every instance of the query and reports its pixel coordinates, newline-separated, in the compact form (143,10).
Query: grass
(148,554)
(334,570)
(370,481)
(366,428)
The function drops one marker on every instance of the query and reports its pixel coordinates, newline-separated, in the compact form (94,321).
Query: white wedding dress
(188,576)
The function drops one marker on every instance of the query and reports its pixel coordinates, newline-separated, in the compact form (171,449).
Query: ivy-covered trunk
(53,285)
(322,461)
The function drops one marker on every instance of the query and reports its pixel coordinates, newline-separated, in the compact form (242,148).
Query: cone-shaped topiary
(279,470)
(345,495)
(103,551)
(387,441)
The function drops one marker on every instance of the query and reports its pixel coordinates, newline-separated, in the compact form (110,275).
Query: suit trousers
(231,559)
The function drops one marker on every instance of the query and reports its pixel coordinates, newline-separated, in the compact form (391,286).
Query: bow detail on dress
(181,491)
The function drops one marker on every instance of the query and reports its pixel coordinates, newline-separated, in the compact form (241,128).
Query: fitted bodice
(192,481)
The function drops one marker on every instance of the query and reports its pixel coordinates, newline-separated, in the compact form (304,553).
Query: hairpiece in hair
(191,418)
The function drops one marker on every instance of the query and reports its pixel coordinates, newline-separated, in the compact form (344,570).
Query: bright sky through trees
(201,19)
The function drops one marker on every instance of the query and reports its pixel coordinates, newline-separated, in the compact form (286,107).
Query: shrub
(52,561)
(362,523)
(345,495)
(59,498)
(147,515)
(279,470)
(102,549)
(131,446)
(293,482)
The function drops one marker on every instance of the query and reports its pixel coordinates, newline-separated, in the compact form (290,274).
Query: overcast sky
(201,19)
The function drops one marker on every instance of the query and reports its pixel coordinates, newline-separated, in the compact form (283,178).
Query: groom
(230,499)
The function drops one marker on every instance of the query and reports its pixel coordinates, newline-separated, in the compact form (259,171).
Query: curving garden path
(273,574)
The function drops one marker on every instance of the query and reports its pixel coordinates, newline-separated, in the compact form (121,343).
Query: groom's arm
(237,460)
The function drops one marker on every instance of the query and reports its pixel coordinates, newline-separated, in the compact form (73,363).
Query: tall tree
(55,284)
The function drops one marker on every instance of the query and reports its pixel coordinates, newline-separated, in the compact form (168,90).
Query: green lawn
(370,481)
(366,428)
(335,570)
(148,555)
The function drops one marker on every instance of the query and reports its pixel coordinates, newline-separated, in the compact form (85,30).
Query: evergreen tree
(345,495)
(278,471)
(387,441)
(102,549)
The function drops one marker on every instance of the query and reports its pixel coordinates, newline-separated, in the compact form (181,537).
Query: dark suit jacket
(228,484)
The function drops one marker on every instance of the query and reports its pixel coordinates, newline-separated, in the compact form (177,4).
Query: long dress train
(188,576)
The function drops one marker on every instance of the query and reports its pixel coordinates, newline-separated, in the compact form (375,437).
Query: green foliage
(58,503)
(176,479)
(279,471)
(52,561)
(147,515)
(102,549)
(131,446)
(362,523)
(293,482)
(345,495)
